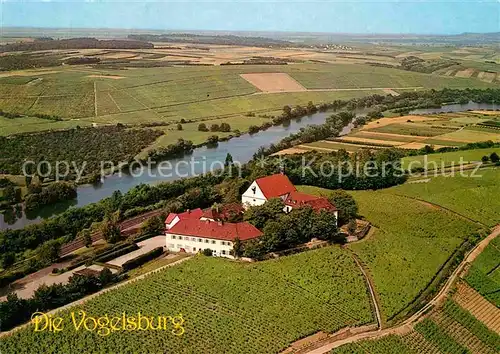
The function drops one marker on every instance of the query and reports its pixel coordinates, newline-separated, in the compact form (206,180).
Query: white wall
(251,198)
(192,244)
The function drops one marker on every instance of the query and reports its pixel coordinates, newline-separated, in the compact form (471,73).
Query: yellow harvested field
(392,135)
(465,73)
(386,121)
(273,82)
(348,139)
(470,136)
(488,113)
(119,55)
(420,146)
(290,151)
(488,77)
(29,73)
(107,77)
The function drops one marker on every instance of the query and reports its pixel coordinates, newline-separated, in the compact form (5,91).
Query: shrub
(116,253)
(146,257)
(202,127)
(207,252)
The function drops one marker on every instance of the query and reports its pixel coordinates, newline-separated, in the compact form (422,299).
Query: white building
(279,186)
(194,235)
(265,188)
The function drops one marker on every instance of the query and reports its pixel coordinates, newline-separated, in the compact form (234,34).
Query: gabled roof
(215,230)
(188,214)
(298,199)
(275,186)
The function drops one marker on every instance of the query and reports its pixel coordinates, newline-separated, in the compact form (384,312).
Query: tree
(214,128)
(153,226)
(237,247)
(207,252)
(110,229)
(325,227)
(202,127)
(287,111)
(225,127)
(179,126)
(494,157)
(212,140)
(87,237)
(106,276)
(49,251)
(485,159)
(311,108)
(345,203)
(229,160)
(8,259)
(260,215)
(12,194)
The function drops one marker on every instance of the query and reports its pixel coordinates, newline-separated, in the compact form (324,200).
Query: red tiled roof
(298,199)
(188,214)
(275,186)
(215,230)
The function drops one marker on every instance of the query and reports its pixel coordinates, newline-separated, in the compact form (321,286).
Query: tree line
(76,43)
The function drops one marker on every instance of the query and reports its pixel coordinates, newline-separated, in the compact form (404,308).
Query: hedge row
(146,257)
(117,253)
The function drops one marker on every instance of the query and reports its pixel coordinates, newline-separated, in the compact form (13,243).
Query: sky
(354,16)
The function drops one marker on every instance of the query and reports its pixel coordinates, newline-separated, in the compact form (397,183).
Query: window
(193,239)
(171,245)
(179,246)
(213,242)
(222,243)
(229,244)
(200,240)
(223,252)
(186,238)
(207,241)
(173,237)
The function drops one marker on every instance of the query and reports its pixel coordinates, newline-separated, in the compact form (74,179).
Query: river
(241,149)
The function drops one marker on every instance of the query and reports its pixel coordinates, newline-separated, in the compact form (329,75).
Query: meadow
(448,158)
(467,193)
(226,306)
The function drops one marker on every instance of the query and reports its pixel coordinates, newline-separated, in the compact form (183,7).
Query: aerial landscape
(187,178)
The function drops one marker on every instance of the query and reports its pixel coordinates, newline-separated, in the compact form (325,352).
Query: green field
(413,239)
(168,94)
(448,158)
(411,129)
(466,195)
(227,306)
(366,76)
(472,135)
